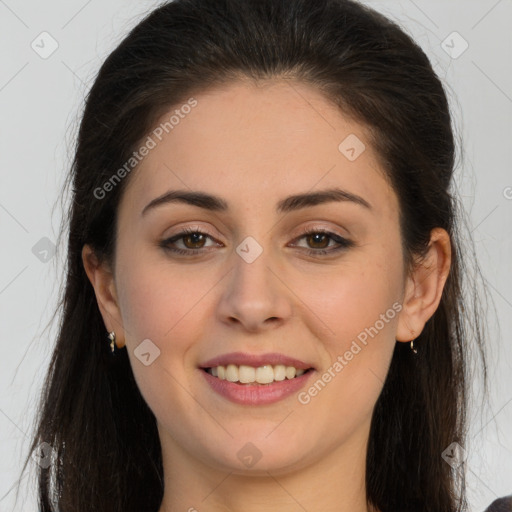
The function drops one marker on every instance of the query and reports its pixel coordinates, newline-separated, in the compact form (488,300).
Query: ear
(102,280)
(424,286)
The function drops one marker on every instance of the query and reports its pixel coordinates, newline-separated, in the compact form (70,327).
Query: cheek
(160,302)
(157,297)
(360,295)
(358,307)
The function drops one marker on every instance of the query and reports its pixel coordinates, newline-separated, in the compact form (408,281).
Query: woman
(263,305)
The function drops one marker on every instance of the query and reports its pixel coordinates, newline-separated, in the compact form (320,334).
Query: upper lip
(255,360)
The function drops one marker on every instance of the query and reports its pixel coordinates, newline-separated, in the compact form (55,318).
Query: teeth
(232,373)
(265,375)
(246,374)
(261,375)
(280,372)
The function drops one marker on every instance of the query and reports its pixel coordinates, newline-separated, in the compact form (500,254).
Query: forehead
(257,143)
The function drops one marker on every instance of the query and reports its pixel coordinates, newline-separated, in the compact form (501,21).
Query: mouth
(256,379)
(250,375)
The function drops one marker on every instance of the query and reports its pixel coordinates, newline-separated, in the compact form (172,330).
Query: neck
(334,482)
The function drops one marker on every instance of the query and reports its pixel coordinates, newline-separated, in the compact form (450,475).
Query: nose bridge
(252,273)
(252,264)
(254,293)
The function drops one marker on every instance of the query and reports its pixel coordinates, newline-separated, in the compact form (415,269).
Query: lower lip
(258,394)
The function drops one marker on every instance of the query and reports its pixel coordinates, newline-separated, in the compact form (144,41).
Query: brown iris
(316,236)
(196,238)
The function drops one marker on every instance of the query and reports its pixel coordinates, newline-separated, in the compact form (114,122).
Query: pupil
(195,237)
(318,235)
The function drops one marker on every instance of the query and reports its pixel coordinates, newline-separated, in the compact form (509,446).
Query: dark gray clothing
(500,505)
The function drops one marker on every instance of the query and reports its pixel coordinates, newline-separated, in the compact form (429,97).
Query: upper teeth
(262,375)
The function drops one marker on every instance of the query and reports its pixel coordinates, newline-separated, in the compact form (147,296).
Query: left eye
(191,237)
(320,236)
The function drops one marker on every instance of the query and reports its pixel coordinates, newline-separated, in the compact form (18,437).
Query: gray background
(40,101)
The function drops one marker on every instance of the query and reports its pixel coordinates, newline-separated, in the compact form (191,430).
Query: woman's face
(251,289)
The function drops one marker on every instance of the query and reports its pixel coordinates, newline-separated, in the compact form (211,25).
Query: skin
(253,145)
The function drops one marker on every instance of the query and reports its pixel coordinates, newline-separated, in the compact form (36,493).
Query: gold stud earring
(413,348)
(112,338)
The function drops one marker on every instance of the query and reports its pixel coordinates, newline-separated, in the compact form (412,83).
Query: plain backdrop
(41,95)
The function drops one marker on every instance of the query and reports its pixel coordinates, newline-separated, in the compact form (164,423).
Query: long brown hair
(92,414)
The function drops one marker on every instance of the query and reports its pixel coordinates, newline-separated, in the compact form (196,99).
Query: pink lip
(256,394)
(255,360)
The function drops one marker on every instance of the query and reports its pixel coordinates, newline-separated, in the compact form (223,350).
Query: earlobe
(102,280)
(425,286)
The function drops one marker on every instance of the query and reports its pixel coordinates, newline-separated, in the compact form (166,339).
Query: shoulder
(500,505)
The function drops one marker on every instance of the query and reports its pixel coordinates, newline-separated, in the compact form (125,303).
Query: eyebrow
(291,203)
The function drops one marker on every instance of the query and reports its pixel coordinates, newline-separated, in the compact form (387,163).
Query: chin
(259,455)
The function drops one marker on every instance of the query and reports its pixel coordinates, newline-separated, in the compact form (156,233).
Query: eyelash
(343,242)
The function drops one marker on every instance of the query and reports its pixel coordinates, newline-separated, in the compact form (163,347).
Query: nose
(255,296)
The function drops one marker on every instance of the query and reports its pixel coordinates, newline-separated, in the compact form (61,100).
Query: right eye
(187,236)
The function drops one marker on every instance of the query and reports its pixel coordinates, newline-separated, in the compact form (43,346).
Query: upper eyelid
(304,232)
